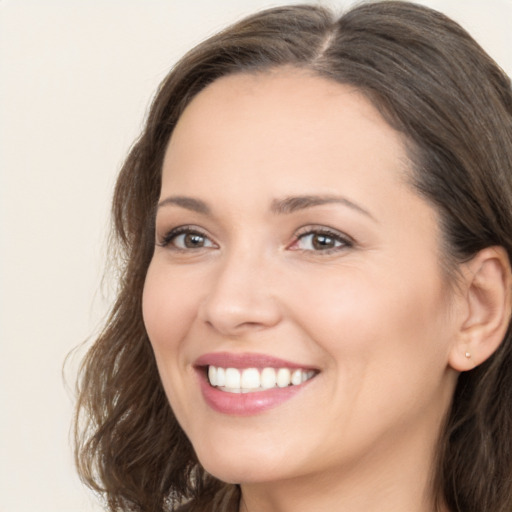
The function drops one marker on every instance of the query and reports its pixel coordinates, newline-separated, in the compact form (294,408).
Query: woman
(314,303)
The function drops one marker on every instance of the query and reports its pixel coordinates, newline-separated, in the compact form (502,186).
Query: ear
(487,295)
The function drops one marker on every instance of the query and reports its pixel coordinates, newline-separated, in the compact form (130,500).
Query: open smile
(246,384)
(250,380)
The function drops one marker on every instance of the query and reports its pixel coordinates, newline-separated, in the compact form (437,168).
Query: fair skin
(344,281)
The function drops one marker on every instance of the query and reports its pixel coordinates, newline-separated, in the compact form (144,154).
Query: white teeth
(268,378)
(283,377)
(212,375)
(234,380)
(250,379)
(296,378)
(221,377)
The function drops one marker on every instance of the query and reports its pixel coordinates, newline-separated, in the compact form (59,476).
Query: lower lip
(246,404)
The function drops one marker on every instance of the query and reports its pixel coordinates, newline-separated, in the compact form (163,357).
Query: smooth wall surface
(76,79)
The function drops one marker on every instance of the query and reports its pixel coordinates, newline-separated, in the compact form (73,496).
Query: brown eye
(321,241)
(192,240)
(186,239)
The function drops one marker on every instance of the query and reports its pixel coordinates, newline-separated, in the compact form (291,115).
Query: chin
(241,473)
(242,466)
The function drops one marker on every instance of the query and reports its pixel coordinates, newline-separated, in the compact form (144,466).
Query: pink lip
(246,360)
(244,404)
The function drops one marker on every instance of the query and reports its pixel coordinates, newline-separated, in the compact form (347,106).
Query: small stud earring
(468,355)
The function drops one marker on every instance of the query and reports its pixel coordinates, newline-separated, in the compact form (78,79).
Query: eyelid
(346,240)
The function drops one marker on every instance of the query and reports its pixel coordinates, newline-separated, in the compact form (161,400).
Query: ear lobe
(487,286)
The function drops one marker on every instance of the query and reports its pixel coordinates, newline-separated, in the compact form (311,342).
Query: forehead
(287,124)
(278,98)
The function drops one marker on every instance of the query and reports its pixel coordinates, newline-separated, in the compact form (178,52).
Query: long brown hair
(433,83)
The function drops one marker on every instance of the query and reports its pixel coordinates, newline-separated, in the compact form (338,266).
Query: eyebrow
(283,206)
(294,203)
(189,203)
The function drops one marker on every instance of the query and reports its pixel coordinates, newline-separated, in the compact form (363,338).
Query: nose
(241,296)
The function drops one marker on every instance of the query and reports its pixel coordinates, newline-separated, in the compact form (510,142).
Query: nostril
(236,319)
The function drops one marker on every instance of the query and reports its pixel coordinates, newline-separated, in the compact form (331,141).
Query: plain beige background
(76,77)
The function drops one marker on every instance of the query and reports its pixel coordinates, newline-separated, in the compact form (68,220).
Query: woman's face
(292,254)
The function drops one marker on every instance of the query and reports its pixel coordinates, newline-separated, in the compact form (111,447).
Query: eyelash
(342,241)
(183,230)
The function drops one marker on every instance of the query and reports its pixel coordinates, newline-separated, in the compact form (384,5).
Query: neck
(322,494)
(392,481)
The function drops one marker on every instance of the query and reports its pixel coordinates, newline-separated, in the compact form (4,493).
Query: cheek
(167,310)
(387,347)
(379,325)
(168,313)
(409,301)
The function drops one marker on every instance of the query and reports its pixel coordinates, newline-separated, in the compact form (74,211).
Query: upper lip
(246,360)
